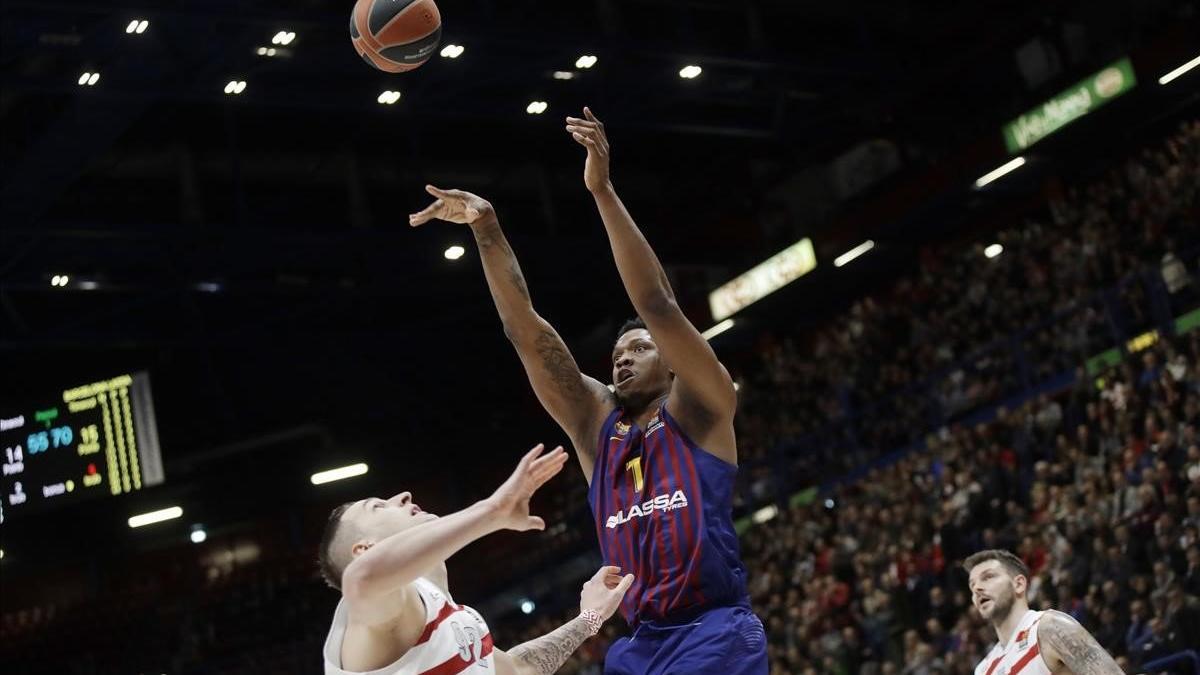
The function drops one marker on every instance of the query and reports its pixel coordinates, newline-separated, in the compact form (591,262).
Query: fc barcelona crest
(622,428)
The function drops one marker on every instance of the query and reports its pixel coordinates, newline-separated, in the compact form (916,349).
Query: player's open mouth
(625,375)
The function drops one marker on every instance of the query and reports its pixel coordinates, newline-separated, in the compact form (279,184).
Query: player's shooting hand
(510,502)
(604,591)
(589,132)
(455,206)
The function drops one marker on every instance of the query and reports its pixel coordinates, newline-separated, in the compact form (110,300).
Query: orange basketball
(395,35)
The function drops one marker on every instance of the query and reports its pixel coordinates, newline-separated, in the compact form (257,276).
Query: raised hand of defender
(604,591)
(455,206)
(511,500)
(589,132)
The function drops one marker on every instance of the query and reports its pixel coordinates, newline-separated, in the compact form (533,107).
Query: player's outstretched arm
(387,567)
(577,402)
(705,381)
(1063,641)
(600,598)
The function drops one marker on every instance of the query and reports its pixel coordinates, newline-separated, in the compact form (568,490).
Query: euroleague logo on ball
(395,36)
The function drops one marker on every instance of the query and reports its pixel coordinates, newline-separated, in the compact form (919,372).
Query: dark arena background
(210,293)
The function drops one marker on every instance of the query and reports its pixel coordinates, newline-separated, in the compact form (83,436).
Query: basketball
(395,36)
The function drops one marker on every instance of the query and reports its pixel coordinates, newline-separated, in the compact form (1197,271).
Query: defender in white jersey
(396,615)
(1030,643)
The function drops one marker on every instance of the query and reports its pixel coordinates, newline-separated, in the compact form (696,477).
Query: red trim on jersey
(634,535)
(602,503)
(457,664)
(607,500)
(666,521)
(1029,656)
(443,614)
(625,531)
(696,506)
(680,581)
(994,664)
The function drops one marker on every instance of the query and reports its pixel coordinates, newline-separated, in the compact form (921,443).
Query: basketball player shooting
(396,615)
(658,449)
(1030,643)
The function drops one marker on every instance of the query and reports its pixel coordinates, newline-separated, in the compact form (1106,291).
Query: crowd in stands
(1095,482)
(966,330)
(1098,490)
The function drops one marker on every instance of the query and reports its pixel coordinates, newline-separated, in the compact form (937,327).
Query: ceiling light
(155,516)
(338,474)
(1179,71)
(1006,168)
(853,253)
(717,329)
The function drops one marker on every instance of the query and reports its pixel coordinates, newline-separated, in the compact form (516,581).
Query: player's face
(994,589)
(638,370)
(381,518)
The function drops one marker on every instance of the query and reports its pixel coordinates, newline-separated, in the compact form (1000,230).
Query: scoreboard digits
(99,439)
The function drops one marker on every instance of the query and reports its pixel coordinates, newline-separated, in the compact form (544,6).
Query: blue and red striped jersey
(664,512)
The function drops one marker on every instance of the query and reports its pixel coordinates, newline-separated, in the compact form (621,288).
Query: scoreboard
(98,439)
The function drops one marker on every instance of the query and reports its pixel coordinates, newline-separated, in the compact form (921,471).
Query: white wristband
(593,620)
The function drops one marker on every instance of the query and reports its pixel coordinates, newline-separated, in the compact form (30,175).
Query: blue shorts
(721,641)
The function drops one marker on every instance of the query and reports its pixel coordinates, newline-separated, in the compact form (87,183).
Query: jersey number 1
(635,465)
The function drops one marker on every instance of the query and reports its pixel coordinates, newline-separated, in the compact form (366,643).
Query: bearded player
(1030,643)
(658,449)
(396,615)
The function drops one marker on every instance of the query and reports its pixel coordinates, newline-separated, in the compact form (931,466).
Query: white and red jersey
(1020,655)
(456,640)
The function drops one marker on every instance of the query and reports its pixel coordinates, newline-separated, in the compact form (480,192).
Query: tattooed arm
(546,654)
(1065,644)
(600,597)
(577,402)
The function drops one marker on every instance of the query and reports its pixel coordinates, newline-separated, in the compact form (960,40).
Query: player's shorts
(721,641)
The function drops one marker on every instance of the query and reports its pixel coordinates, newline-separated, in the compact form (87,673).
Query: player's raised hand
(455,206)
(511,500)
(589,132)
(604,591)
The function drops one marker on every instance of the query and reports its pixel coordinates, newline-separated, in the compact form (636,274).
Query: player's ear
(361,547)
(1020,584)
